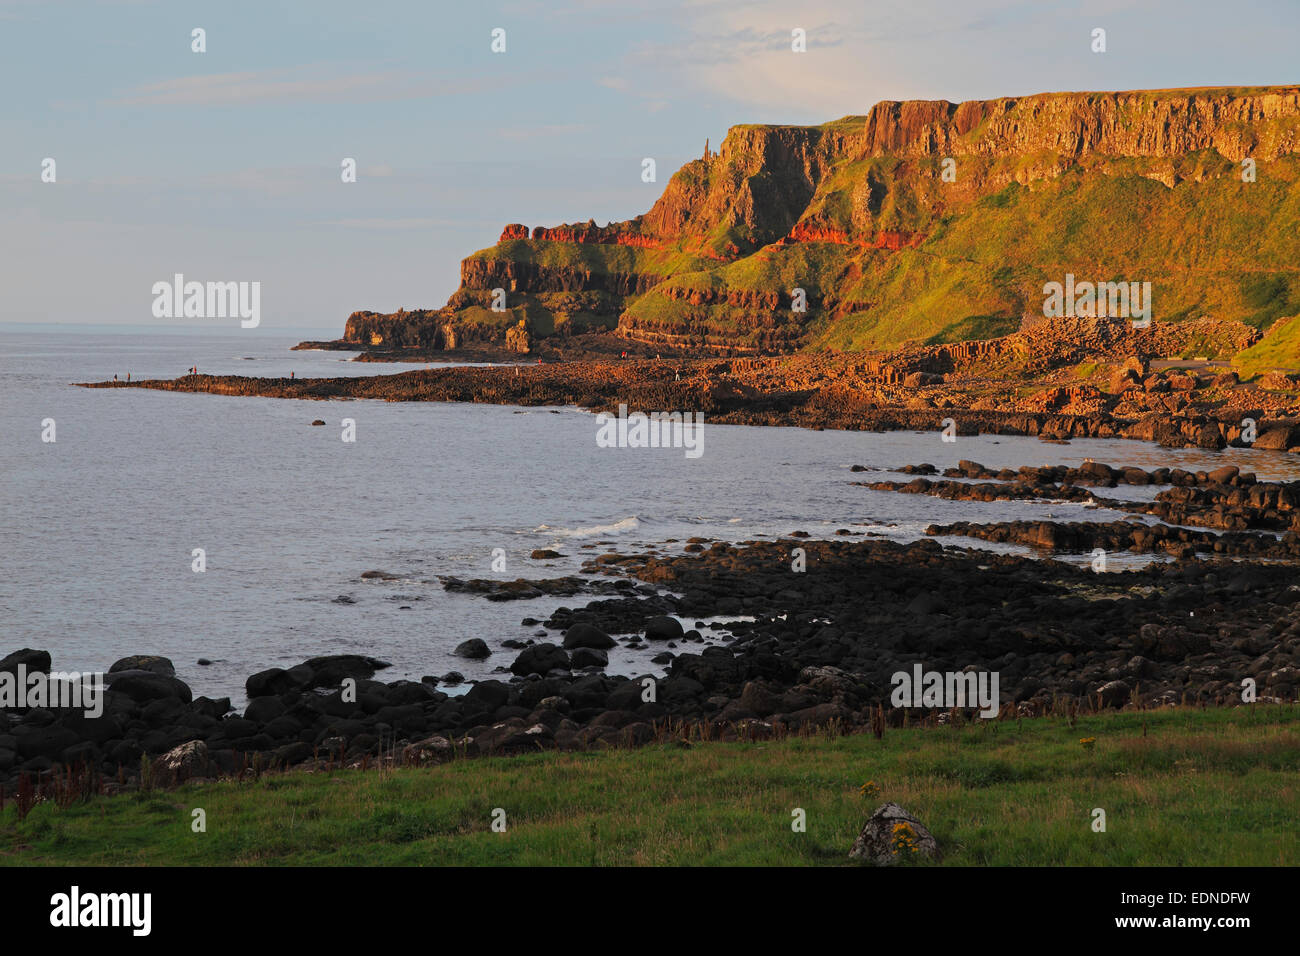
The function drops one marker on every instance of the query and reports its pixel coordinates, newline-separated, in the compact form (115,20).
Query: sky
(225,165)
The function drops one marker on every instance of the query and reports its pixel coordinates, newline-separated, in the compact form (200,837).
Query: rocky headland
(1079,378)
(918,223)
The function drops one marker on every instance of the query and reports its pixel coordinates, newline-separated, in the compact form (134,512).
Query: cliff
(920,222)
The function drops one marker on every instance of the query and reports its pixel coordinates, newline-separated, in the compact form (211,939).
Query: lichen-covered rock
(185,762)
(892,834)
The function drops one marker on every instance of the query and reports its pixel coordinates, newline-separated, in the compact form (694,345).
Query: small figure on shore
(115,376)
(128,376)
(291,374)
(624,355)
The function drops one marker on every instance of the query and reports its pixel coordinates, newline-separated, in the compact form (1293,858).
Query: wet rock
(589,657)
(35,662)
(488,695)
(540,659)
(145,662)
(474,649)
(587,635)
(273,680)
(144,686)
(663,628)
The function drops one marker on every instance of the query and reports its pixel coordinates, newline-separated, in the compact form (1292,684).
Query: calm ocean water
(98,527)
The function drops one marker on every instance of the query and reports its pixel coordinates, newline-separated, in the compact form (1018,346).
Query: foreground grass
(1200,787)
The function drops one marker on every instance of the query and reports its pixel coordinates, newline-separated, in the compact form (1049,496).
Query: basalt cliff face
(919,223)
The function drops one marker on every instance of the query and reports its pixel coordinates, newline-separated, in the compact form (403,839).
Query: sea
(99,528)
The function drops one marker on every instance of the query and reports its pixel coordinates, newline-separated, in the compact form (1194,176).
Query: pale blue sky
(225,165)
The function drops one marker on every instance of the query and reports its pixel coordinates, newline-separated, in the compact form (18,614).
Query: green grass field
(1280,348)
(1180,787)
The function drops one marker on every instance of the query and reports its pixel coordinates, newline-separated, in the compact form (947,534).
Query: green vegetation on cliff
(1279,349)
(928,222)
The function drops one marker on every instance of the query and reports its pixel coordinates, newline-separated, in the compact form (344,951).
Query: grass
(1280,348)
(1179,786)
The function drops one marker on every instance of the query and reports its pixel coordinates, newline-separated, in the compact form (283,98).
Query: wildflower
(869,789)
(904,839)
(1088,742)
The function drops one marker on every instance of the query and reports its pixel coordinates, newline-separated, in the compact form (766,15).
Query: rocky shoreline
(1251,517)
(824,392)
(813,638)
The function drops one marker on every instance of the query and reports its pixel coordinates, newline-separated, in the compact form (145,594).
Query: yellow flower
(904,838)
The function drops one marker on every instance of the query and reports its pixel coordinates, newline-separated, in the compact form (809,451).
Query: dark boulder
(539,659)
(145,662)
(587,635)
(332,670)
(33,661)
(488,695)
(271,682)
(142,687)
(589,657)
(663,628)
(475,649)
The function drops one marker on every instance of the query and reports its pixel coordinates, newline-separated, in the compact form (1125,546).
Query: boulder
(1114,693)
(587,635)
(271,682)
(34,661)
(475,649)
(330,671)
(430,750)
(488,694)
(539,659)
(1275,438)
(47,742)
(145,662)
(141,687)
(183,762)
(890,834)
(263,710)
(589,657)
(663,628)
(1224,475)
